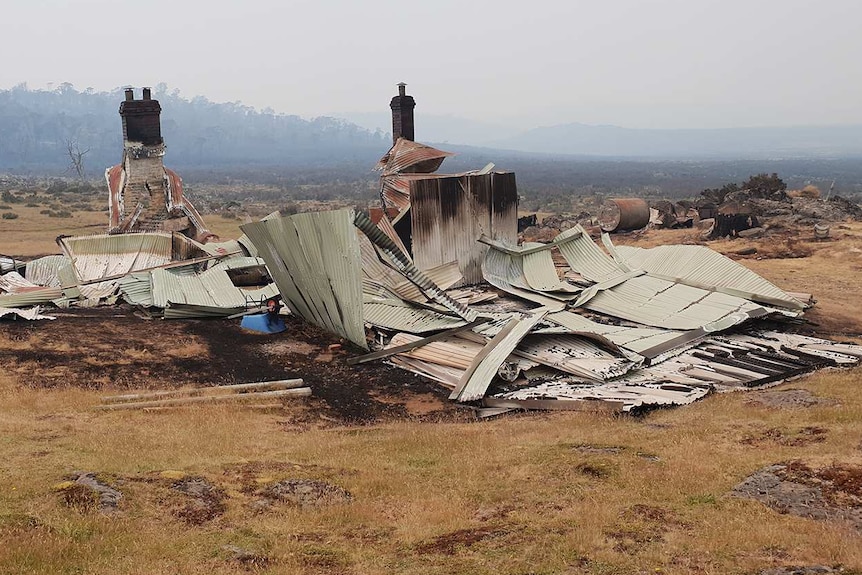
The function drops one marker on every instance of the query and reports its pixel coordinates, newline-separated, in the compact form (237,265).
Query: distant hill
(35,125)
(733,143)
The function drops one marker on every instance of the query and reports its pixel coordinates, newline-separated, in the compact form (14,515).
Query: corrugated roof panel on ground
(31,314)
(575,355)
(702,267)
(584,256)
(31,298)
(44,271)
(400,317)
(484,368)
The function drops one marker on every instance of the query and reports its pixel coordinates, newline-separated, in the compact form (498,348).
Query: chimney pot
(130,94)
(148,95)
(402,89)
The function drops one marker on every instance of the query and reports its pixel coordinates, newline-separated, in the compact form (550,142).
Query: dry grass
(515,495)
(541,493)
(33,234)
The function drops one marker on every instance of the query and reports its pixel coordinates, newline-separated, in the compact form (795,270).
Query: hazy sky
(649,63)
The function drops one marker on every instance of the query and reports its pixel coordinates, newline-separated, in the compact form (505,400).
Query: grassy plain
(529,494)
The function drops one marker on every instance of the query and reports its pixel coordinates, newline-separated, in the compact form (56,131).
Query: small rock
(751,233)
(246,557)
(746,251)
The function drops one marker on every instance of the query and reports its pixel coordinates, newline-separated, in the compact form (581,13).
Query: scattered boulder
(305,492)
(829,493)
(205,502)
(85,492)
(789,398)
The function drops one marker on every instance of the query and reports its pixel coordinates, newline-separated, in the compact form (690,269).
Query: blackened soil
(112,348)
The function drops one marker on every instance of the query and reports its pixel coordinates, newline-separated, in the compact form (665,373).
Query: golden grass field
(526,494)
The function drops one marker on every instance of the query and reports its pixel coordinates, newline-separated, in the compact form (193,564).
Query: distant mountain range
(35,126)
(578,139)
(731,143)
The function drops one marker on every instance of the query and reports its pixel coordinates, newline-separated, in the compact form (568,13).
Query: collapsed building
(435,282)
(144,195)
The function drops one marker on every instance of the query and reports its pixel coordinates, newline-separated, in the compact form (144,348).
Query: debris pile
(166,274)
(617,329)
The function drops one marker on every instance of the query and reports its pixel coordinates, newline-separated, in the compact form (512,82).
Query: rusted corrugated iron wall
(449,214)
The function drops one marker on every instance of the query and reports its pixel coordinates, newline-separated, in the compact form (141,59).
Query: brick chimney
(402,114)
(141,122)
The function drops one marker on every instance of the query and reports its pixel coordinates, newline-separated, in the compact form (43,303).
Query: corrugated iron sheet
(575,355)
(210,290)
(630,396)
(449,214)
(28,314)
(30,298)
(398,316)
(699,266)
(101,256)
(314,259)
(484,367)
(136,289)
(410,271)
(13,282)
(44,271)
(409,156)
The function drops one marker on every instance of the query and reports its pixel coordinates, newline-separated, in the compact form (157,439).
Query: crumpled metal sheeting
(843,354)
(101,256)
(410,271)
(35,297)
(314,259)
(45,271)
(397,316)
(699,266)
(409,156)
(445,375)
(210,289)
(585,257)
(8,264)
(136,289)
(483,369)
(14,282)
(28,314)
(499,270)
(575,355)
(237,263)
(631,396)
(634,339)
(662,303)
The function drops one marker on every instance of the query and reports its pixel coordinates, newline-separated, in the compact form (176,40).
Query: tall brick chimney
(141,122)
(402,114)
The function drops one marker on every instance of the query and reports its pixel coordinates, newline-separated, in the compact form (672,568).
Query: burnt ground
(114,349)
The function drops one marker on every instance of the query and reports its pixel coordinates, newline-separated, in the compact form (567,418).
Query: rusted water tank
(624,214)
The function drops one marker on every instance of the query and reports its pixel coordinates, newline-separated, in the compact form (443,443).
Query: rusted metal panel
(411,157)
(504,212)
(449,215)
